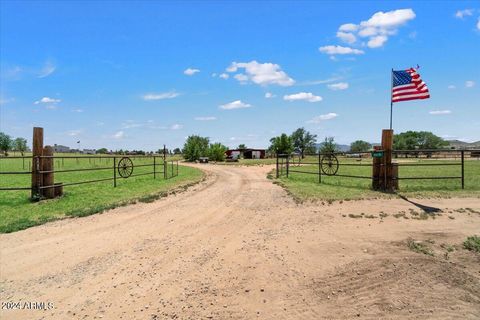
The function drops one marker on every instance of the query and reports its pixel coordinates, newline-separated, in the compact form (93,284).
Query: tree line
(7,143)
(300,141)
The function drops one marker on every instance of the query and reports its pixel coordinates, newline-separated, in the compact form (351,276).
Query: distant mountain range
(457,144)
(340,147)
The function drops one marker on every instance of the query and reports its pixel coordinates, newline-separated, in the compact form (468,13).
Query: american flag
(407,85)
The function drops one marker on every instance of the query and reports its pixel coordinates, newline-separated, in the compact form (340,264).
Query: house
(88,151)
(248,153)
(60,148)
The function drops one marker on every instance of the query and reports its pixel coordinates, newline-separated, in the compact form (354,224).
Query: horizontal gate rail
(425,178)
(76,183)
(74,170)
(427,164)
(16,172)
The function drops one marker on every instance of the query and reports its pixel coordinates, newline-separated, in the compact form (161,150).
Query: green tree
(303,141)
(102,151)
(195,147)
(20,145)
(242,146)
(360,146)
(412,140)
(5,143)
(281,144)
(328,145)
(216,152)
(177,151)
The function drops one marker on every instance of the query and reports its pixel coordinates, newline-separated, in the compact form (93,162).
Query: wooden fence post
(154,168)
(387,146)
(165,166)
(383,172)
(48,177)
(37,152)
(463,168)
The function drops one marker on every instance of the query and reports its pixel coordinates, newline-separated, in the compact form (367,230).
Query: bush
(216,152)
(195,147)
(472,243)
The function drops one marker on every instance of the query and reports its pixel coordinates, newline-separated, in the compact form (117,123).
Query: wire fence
(20,172)
(406,165)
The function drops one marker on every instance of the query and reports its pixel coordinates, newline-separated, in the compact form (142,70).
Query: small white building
(89,151)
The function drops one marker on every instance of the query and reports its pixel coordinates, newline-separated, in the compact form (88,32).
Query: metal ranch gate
(43,166)
(334,165)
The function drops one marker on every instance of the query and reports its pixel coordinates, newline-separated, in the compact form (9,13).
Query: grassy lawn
(17,212)
(306,186)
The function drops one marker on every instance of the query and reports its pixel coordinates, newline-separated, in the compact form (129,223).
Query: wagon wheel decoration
(125,167)
(329,164)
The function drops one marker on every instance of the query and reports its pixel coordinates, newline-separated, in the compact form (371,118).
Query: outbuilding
(248,153)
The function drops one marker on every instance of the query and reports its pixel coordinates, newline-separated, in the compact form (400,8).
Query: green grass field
(18,212)
(306,186)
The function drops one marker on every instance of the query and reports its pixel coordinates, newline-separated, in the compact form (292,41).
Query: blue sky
(137,75)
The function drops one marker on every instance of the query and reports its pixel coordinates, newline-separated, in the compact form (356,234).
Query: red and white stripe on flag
(416,89)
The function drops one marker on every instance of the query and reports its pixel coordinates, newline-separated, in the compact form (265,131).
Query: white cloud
(176,126)
(390,19)
(77,110)
(160,96)
(51,107)
(190,71)
(316,82)
(47,69)
(241,78)
(119,135)
(469,84)
(439,112)
(307,96)
(348,27)
(478,23)
(237,104)
(261,73)
(47,100)
(460,14)
(339,50)
(346,37)
(338,86)
(205,118)
(269,95)
(377,29)
(323,117)
(451,87)
(224,76)
(74,133)
(377,41)
(131,124)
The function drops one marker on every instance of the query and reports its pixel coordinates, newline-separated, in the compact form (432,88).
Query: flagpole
(391,101)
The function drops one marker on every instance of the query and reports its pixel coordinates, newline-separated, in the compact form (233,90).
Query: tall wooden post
(377,162)
(48,178)
(383,171)
(37,152)
(386,171)
(165,167)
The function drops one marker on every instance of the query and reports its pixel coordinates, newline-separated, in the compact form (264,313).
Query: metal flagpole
(391,101)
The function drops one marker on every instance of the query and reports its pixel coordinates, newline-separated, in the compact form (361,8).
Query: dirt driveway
(237,246)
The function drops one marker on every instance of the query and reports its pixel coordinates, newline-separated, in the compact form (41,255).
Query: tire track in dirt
(235,246)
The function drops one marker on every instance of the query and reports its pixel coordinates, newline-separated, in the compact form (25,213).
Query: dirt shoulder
(237,246)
